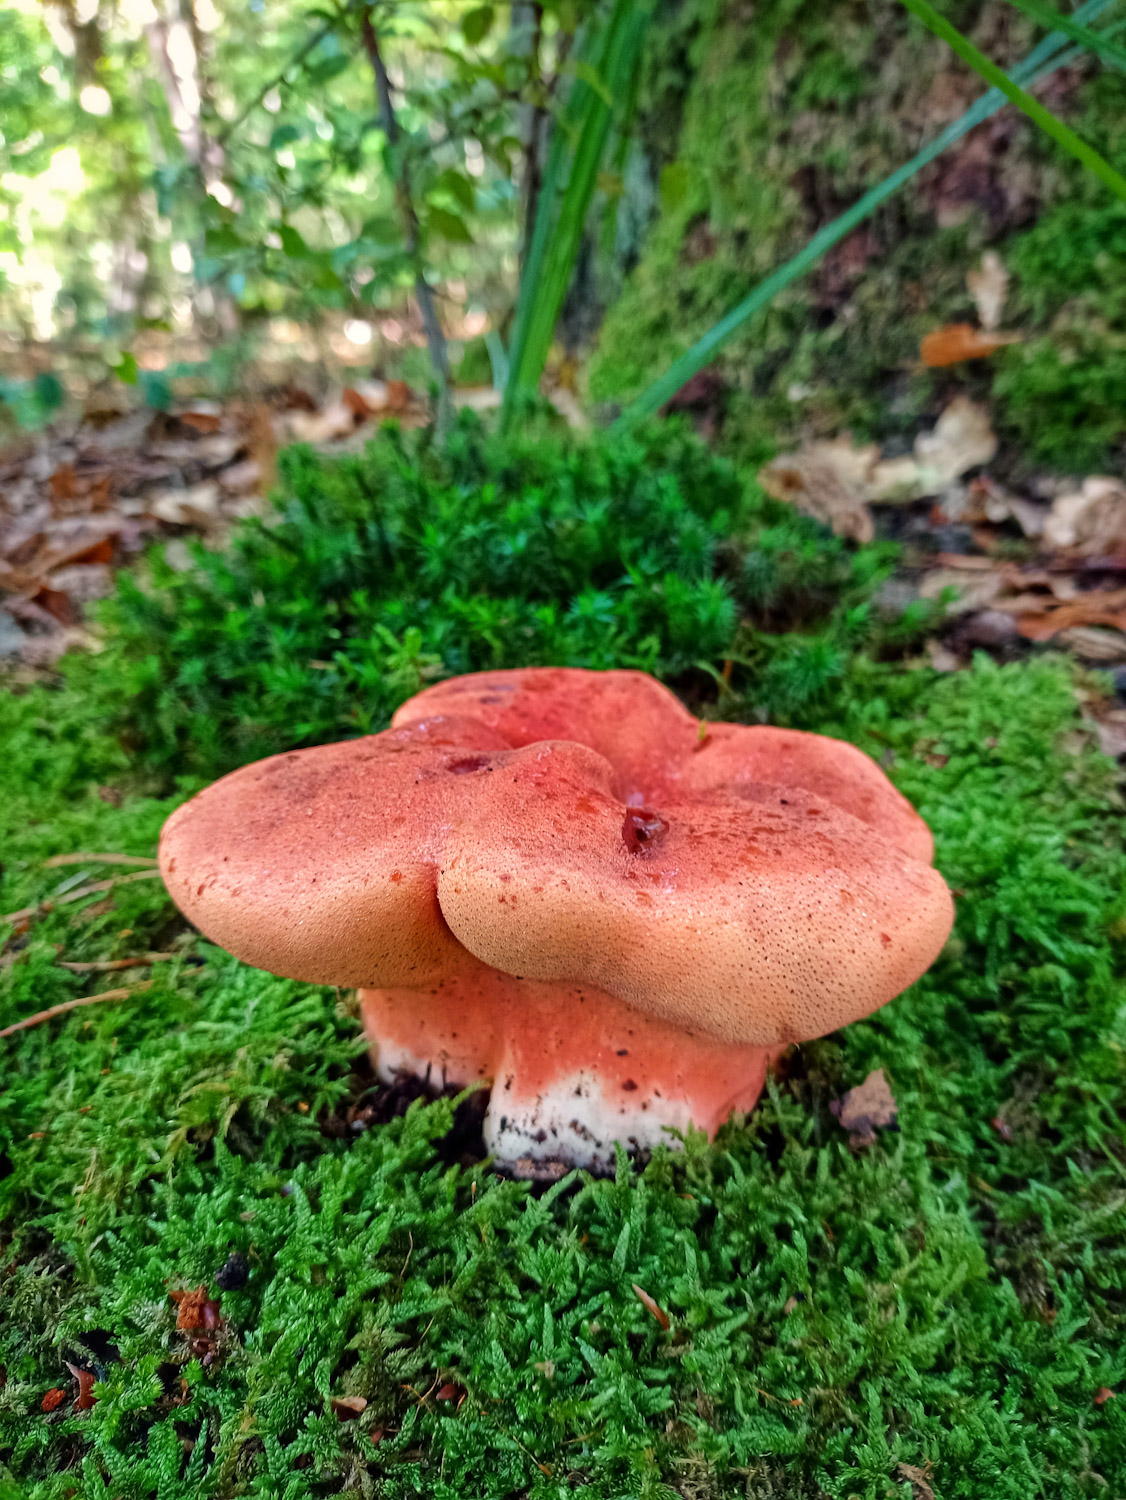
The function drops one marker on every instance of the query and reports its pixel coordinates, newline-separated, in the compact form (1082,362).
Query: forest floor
(234,1265)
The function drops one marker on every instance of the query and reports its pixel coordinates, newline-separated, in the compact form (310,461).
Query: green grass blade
(570,176)
(1097,42)
(1062,134)
(1045,58)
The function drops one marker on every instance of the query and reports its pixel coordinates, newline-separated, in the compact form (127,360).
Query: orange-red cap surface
(574,827)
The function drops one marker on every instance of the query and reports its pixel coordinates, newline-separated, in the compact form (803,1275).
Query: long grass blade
(1062,134)
(570,175)
(1098,42)
(1044,59)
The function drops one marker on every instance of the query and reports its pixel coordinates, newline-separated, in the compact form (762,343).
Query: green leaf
(449,225)
(156,390)
(1062,134)
(383,229)
(1044,59)
(221,239)
(126,368)
(293,245)
(574,158)
(477,23)
(460,187)
(329,68)
(49,391)
(284,136)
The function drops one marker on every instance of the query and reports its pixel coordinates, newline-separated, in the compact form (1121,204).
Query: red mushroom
(561,883)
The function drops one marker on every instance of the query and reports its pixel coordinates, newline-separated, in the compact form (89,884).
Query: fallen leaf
(85,1378)
(1104,1394)
(196,1310)
(196,505)
(348,1408)
(1092,644)
(962,439)
(201,421)
(918,1479)
(828,481)
(650,1305)
(867,1108)
(954,343)
(399,396)
(1089,520)
(1050,617)
(989,286)
(451,1391)
(975,590)
(356,404)
(1111,733)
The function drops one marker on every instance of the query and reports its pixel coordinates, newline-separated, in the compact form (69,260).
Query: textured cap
(766,919)
(658,750)
(676,879)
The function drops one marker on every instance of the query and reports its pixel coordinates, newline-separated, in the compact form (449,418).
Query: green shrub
(382,571)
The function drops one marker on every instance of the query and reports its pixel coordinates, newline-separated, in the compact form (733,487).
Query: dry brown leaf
(828,481)
(197,505)
(1111,732)
(196,1310)
(867,1108)
(348,1408)
(1093,644)
(356,404)
(918,1479)
(650,1305)
(1090,520)
(962,439)
(975,590)
(201,421)
(1097,608)
(85,1378)
(989,286)
(954,343)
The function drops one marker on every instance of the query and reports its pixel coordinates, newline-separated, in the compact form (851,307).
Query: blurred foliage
(209,166)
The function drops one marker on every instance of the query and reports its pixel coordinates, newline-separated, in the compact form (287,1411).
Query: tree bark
(408,218)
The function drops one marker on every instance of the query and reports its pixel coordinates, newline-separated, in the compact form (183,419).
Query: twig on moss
(68,1005)
(108,965)
(27,912)
(57,860)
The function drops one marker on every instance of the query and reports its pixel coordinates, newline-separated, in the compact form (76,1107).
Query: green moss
(387,570)
(1064,396)
(950,1299)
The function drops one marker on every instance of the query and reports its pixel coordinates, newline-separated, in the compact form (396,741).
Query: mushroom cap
(770,918)
(320,864)
(658,750)
(755,910)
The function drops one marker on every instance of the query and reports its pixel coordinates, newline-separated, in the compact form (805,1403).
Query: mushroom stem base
(572,1069)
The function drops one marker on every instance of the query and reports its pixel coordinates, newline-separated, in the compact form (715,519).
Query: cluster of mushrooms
(561,883)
